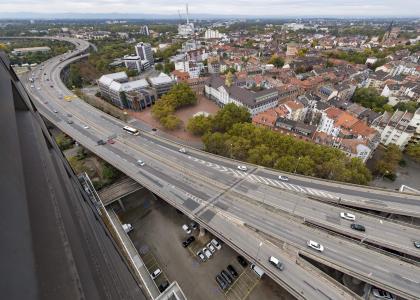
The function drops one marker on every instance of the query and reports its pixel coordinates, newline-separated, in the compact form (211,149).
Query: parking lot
(158,237)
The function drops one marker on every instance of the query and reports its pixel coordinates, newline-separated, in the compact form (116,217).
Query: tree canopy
(277,61)
(413,150)
(370,98)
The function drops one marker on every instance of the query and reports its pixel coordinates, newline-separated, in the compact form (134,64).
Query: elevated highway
(236,205)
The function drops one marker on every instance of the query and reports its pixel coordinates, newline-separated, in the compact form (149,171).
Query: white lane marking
(324,194)
(294,187)
(287,185)
(310,191)
(301,189)
(262,178)
(282,184)
(254,177)
(272,181)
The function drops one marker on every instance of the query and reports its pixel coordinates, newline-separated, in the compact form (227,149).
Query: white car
(38,88)
(315,245)
(182,150)
(211,247)
(201,256)
(216,244)
(242,168)
(206,252)
(348,216)
(86,127)
(140,162)
(156,273)
(283,178)
(186,228)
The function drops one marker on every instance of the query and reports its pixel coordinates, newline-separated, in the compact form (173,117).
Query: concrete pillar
(121,204)
(201,233)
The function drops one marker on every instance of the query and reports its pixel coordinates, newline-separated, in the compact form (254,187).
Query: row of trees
(230,133)
(179,96)
(387,161)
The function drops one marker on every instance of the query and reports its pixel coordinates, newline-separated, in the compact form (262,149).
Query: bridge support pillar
(201,233)
(121,204)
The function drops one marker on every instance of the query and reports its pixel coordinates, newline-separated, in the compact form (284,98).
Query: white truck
(257,270)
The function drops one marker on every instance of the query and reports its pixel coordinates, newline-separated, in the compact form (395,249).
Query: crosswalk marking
(264,180)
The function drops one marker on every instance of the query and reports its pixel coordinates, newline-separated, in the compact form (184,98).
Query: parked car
(242,261)
(242,168)
(182,150)
(194,225)
(216,244)
(348,216)
(188,241)
(416,244)
(140,162)
(275,262)
(163,286)
(315,245)
(283,178)
(156,273)
(201,256)
(381,294)
(232,271)
(186,228)
(211,247)
(226,276)
(358,227)
(221,282)
(207,253)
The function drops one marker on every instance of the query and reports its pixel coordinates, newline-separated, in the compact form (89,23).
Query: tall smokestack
(188,21)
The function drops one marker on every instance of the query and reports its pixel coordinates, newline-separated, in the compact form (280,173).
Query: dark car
(154,129)
(242,261)
(101,142)
(163,286)
(232,271)
(416,244)
(188,241)
(358,227)
(194,225)
(226,276)
(221,282)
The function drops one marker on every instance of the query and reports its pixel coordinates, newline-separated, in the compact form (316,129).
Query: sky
(221,7)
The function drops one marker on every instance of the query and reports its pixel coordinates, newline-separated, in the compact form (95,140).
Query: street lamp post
(231,146)
(258,252)
(297,164)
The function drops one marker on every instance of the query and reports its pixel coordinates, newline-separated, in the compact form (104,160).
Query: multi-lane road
(236,204)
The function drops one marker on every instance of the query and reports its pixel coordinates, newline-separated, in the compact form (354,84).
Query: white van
(127,227)
(257,270)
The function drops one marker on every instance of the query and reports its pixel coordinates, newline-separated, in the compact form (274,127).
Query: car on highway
(69,115)
(182,150)
(226,276)
(276,262)
(221,282)
(242,261)
(242,168)
(358,227)
(140,162)
(55,111)
(348,216)
(381,294)
(38,88)
(417,244)
(186,228)
(315,245)
(232,271)
(101,142)
(201,256)
(111,141)
(156,273)
(69,122)
(283,178)
(207,253)
(216,244)
(154,129)
(32,86)
(188,241)
(211,247)
(85,127)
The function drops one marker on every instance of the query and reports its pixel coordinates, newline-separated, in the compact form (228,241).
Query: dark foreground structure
(53,244)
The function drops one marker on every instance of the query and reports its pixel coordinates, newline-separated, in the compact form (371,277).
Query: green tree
(171,122)
(199,125)
(413,150)
(215,143)
(63,141)
(109,173)
(388,160)
(75,80)
(369,97)
(277,61)
(229,115)
(158,67)
(410,106)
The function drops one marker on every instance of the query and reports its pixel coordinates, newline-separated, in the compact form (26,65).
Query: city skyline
(265,8)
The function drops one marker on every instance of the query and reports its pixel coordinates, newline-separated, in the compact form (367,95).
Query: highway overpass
(234,205)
